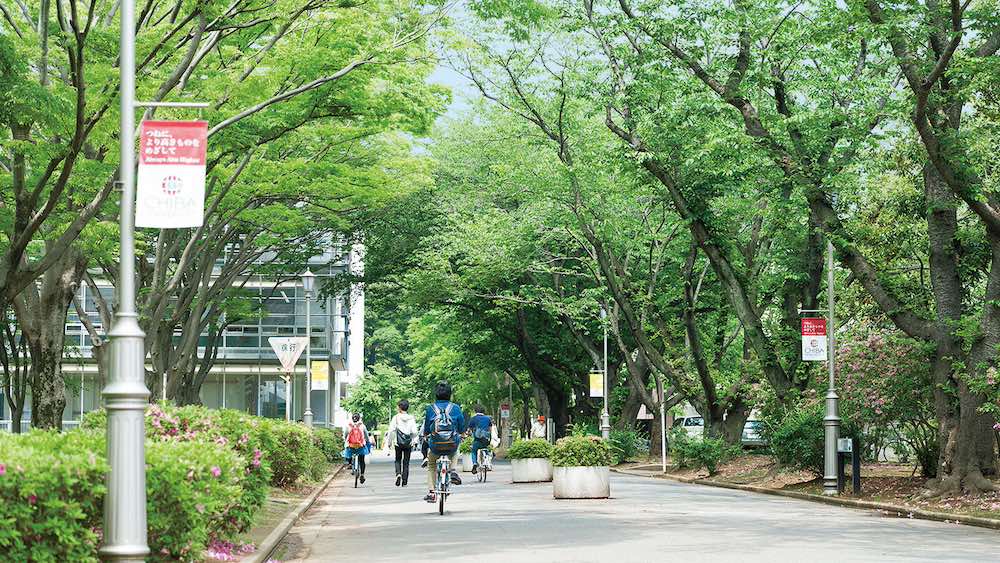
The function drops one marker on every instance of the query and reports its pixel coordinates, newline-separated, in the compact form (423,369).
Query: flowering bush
(886,390)
(51,491)
(292,453)
(52,496)
(193,488)
(244,434)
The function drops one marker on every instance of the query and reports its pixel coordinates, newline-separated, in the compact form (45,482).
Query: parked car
(752,437)
(693,425)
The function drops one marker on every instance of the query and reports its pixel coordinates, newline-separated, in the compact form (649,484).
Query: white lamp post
(308,284)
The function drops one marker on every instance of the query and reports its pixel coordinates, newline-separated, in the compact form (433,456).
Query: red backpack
(355,437)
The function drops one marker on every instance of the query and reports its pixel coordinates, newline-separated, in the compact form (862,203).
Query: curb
(900,511)
(270,543)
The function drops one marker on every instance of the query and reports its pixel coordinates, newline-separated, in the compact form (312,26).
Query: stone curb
(900,511)
(270,543)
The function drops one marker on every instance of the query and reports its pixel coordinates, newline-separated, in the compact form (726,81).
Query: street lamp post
(126,396)
(308,284)
(605,417)
(831,422)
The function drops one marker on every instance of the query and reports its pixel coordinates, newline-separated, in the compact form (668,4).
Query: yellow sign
(596,384)
(320,375)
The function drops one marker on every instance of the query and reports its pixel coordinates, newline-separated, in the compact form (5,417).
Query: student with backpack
(444,425)
(484,434)
(357,442)
(402,436)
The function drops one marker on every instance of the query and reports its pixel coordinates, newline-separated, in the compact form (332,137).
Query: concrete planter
(581,482)
(531,470)
(465,461)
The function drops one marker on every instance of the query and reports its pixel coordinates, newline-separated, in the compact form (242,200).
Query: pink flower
(32,500)
(190,474)
(216,471)
(3,469)
(200,508)
(995,427)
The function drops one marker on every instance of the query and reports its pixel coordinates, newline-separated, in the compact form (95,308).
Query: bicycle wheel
(483,469)
(441,497)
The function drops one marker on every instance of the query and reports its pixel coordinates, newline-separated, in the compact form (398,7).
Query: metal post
(329,362)
(307,416)
(126,396)
(605,417)
(663,423)
(831,422)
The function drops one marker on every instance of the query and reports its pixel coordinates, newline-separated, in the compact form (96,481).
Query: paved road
(647,520)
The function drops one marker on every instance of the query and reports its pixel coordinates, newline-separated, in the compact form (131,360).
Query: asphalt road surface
(647,520)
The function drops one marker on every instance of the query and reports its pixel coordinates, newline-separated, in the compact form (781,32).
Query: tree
(288,98)
(376,394)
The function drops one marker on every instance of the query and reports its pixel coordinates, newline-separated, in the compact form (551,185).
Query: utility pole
(126,396)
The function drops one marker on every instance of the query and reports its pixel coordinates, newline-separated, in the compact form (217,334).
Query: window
(694,421)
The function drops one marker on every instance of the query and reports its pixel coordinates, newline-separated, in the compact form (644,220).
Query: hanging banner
(814,340)
(170,187)
(288,349)
(320,375)
(596,384)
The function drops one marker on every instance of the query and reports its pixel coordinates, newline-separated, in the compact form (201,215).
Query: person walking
(444,425)
(538,427)
(357,442)
(402,435)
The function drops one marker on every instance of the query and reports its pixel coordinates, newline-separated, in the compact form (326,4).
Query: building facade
(246,374)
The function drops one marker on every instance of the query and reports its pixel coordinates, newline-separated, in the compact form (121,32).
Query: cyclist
(484,434)
(444,425)
(357,442)
(402,435)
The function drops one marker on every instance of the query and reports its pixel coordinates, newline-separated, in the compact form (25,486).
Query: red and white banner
(170,189)
(814,340)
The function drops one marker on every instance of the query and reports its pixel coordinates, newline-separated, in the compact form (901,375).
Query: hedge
(52,496)
(207,472)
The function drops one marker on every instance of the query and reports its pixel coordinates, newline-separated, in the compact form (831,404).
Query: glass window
(694,421)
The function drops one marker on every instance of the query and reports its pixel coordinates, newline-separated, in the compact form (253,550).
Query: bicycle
(484,463)
(443,482)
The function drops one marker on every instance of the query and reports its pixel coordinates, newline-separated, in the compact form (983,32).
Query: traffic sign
(504,410)
(288,350)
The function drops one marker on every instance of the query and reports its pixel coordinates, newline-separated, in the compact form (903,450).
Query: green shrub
(626,444)
(293,453)
(574,451)
(192,490)
(330,442)
(247,435)
(51,494)
(583,427)
(529,449)
(465,447)
(796,439)
(695,453)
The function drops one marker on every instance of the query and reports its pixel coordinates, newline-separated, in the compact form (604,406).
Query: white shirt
(405,423)
(537,430)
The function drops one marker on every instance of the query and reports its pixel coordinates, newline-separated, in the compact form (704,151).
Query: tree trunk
(43,308)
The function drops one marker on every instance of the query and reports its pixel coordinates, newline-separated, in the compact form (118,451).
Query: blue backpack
(444,438)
